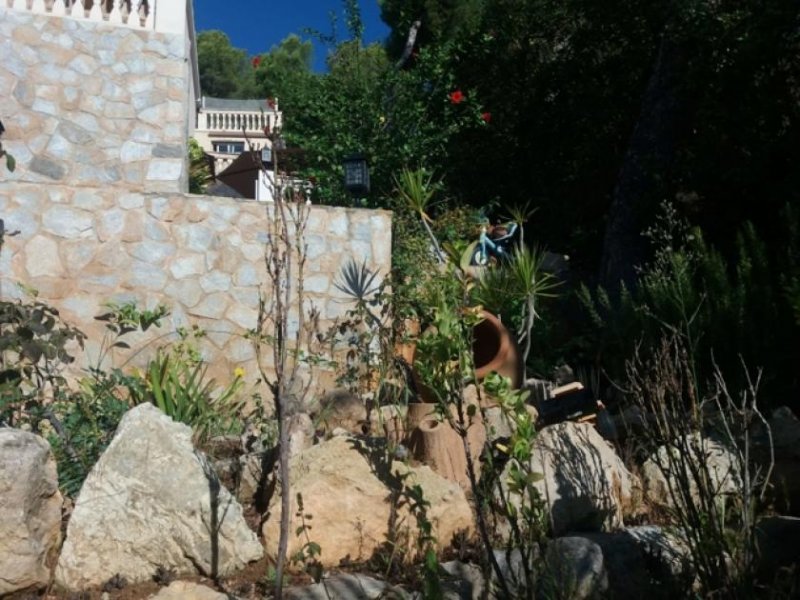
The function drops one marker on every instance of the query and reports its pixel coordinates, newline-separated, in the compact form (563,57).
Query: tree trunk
(644,173)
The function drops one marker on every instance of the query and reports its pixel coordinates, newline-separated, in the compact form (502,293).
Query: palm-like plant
(531,283)
(417,188)
(519,213)
(358,282)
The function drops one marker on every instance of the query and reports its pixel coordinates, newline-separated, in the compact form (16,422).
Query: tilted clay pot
(494,349)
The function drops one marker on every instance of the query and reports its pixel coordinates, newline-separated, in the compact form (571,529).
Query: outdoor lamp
(356,175)
(266,154)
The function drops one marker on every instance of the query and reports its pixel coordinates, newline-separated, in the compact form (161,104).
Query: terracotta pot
(435,443)
(495,349)
(406,349)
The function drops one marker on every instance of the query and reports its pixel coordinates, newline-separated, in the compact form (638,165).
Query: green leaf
(11,162)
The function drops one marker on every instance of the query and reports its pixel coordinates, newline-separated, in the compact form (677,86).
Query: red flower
(256,61)
(487,117)
(457,97)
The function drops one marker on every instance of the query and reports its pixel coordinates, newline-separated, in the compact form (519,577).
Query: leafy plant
(34,351)
(180,388)
(308,554)
(199,168)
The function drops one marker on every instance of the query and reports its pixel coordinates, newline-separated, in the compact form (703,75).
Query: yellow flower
(238,372)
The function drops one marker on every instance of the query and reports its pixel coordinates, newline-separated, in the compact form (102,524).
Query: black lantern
(356,175)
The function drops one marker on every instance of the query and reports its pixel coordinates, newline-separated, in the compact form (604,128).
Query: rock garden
(435,467)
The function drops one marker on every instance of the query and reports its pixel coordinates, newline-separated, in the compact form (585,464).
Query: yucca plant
(357,281)
(519,213)
(416,189)
(516,287)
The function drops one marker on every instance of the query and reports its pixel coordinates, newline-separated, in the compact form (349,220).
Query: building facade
(226,127)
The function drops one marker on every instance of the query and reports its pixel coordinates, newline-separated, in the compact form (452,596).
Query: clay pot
(494,349)
(406,349)
(438,445)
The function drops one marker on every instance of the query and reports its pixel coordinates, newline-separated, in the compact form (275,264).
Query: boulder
(785,436)
(346,586)
(776,538)
(574,569)
(660,471)
(356,499)
(585,484)
(152,500)
(30,511)
(463,580)
(645,560)
(188,590)
(342,408)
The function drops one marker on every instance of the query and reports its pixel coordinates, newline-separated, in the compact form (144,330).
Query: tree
(397,118)
(285,68)
(225,71)
(440,21)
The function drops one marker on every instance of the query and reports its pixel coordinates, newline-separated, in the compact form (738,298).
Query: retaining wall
(201,256)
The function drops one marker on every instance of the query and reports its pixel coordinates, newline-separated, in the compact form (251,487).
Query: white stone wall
(88,103)
(201,256)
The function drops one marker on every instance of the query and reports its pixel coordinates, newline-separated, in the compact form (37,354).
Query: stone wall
(97,116)
(94,104)
(201,256)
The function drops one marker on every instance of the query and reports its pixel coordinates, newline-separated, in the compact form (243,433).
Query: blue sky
(257,25)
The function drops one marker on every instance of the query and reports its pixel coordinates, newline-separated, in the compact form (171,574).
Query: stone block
(187,265)
(67,222)
(47,167)
(41,257)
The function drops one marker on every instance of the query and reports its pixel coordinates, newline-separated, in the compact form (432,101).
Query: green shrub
(178,385)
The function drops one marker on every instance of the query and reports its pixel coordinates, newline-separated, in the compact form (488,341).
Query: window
(229,147)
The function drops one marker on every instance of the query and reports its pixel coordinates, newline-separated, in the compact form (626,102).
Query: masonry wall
(87,103)
(97,117)
(201,256)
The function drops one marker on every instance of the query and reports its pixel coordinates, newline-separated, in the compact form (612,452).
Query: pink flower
(457,97)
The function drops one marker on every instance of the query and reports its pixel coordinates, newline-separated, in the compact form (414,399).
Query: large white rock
(355,498)
(585,485)
(189,590)
(30,511)
(153,500)
(667,467)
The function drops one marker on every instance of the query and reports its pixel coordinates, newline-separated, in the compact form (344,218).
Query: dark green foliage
(225,71)
(89,419)
(34,345)
(284,71)
(724,311)
(199,168)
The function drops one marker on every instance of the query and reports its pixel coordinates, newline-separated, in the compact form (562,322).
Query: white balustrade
(234,122)
(139,14)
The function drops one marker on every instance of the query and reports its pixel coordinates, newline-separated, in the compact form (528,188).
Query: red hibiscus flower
(256,61)
(487,117)
(457,97)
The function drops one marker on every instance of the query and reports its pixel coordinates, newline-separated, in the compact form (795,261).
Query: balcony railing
(236,122)
(138,14)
